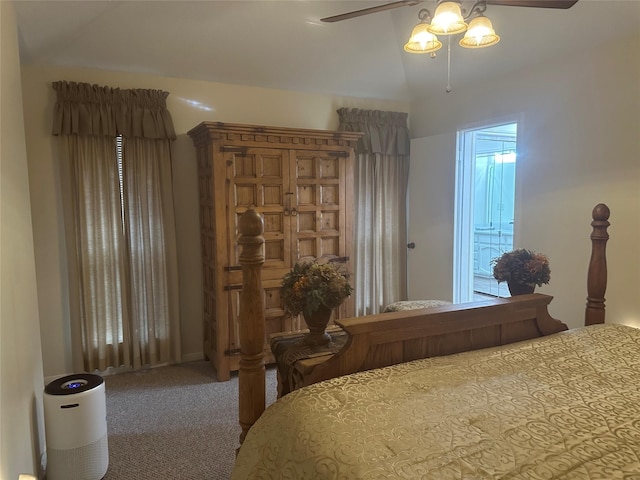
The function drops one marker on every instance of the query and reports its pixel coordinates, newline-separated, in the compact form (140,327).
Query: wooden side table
(295,360)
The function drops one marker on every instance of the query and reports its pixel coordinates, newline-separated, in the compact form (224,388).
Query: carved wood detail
(251,374)
(300,181)
(390,338)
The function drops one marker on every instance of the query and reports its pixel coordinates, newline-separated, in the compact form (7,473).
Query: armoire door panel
(306,221)
(274,324)
(272,195)
(275,318)
(329,168)
(273,275)
(306,195)
(263,169)
(244,166)
(329,222)
(272,165)
(272,299)
(274,253)
(330,246)
(305,165)
(330,194)
(273,223)
(306,248)
(245,195)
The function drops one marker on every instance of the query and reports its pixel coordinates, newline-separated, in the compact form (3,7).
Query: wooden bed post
(597,274)
(251,373)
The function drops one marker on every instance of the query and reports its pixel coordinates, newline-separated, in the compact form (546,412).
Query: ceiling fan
(559,4)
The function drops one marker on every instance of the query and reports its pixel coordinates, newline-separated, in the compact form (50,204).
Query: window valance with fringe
(85,109)
(384,132)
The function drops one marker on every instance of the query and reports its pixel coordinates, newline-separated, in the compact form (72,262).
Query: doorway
(485,208)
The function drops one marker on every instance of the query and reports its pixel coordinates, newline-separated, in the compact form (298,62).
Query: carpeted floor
(174,422)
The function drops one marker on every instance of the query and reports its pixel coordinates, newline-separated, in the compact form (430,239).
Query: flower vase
(520,288)
(317,323)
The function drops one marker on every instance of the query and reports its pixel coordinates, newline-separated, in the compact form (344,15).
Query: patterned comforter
(566,406)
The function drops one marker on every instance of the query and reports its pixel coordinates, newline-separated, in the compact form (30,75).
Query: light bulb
(479,33)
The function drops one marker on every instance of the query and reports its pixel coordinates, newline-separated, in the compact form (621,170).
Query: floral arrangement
(522,266)
(311,284)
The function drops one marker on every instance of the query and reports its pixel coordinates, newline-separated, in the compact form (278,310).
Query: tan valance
(384,132)
(85,109)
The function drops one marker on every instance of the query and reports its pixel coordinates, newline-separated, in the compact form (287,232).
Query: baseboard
(193,357)
(189,357)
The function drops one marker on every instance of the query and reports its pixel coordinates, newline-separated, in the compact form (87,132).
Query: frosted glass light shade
(421,40)
(480,34)
(447,20)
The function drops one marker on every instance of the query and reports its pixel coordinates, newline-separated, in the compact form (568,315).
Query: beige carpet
(174,422)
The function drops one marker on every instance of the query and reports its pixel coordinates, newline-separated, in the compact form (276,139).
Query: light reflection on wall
(196,104)
(631,321)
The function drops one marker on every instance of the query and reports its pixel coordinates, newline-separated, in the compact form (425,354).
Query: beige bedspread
(565,406)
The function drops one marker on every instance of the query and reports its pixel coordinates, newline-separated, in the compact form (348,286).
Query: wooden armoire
(301,182)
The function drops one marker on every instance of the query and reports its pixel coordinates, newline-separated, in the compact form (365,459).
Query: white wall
(190,102)
(21,377)
(580,146)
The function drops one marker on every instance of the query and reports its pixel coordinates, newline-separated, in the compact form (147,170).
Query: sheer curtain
(119,223)
(380,232)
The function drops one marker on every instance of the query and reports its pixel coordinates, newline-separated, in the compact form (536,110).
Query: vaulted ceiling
(284,45)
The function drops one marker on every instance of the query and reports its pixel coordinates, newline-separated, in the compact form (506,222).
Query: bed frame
(389,338)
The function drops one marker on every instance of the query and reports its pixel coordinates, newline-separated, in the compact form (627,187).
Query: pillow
(413,305)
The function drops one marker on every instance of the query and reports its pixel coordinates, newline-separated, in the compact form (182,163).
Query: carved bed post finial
(251,373)
(597,274)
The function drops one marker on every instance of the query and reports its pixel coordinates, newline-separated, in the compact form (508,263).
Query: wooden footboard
(390,338)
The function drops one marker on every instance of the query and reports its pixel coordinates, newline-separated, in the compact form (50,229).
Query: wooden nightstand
(295,360)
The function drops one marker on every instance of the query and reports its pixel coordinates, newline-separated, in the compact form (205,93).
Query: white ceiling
(282,44)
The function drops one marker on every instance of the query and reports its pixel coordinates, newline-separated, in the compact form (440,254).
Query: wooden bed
(399,339)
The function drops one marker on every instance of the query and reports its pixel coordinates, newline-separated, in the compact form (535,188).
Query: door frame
(463,211)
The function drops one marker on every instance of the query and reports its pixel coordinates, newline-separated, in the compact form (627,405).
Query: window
(120,226)
(120,160)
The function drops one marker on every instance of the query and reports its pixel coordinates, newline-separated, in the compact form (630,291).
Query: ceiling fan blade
(367,11)
(561,4)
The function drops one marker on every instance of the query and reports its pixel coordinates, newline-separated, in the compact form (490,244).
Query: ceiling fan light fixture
(448,19)
(480,34)
(422,41)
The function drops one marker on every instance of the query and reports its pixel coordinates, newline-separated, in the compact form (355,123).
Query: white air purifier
(75,417)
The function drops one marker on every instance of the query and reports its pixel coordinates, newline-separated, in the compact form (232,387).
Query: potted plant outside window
(522,269)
